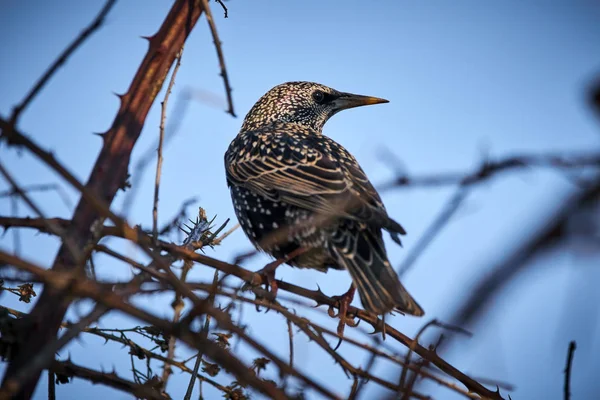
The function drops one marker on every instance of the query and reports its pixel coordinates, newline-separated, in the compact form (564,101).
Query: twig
(56,229)
(360,384)
(62,58)
(223,5)
(211,298)
(433,230)
(176,220)
(173,124)
(223,236)
(44,357)
(163,118)
(145,391)
(570,353)
(51,385)
(291,336)
(14,209)
(403,375)
(491,168)
(42,187)
(213,30)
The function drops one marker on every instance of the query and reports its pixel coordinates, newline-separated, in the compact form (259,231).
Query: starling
(286,177)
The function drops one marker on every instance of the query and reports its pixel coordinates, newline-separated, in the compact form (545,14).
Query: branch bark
(108,175)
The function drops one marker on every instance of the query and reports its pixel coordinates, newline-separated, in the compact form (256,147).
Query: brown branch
(108,175)
(46,355)
(217,42)
(302,323)
(84,287)
(55,229)
(567,386)
(256,279)
(489,169)
(159,151)
(51,385)
(432,231)
(378,325)
(42,187)
(62,58)
(211,298)
(145,391)
(291,341)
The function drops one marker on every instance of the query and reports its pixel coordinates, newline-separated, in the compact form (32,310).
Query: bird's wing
(311,172)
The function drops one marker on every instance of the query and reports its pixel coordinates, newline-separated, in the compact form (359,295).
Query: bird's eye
(318,96)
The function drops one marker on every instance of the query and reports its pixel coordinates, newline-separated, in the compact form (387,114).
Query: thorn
(120,96)
(101,135)
(338,344)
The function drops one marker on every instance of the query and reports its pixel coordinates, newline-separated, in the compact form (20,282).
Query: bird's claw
(267,275)
(346,318)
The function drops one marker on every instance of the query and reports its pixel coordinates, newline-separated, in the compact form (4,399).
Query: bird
(302,198)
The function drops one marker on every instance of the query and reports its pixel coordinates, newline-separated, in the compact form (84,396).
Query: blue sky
(464,79)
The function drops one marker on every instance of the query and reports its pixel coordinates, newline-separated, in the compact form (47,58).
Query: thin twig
(570,353)
(217,42)
(43,187)
(434,229)
(51,385)
(69,369)
(490,168)
(62,58)
(223,5)
(44,357)
(291,336)
(52,227)
(14,209)
(211,298)
(159,161)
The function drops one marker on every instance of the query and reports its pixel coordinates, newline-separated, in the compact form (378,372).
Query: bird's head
(307,103)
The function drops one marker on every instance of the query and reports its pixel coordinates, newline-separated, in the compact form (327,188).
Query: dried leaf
(223,339)
(210,369)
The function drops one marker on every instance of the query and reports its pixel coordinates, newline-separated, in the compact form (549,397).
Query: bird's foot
(346,319)
(267,273)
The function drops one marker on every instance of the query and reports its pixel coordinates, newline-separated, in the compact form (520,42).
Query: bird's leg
(268,272)
(343,305)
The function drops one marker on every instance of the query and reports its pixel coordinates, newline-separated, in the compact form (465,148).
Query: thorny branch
(217,42)
(108,175)
(159,151)
(320,298)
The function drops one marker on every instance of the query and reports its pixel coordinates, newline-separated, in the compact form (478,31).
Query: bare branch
(146,391)
(217,42)
(224,8)
(490,168)
(62,58)
(570,353)
(163,118)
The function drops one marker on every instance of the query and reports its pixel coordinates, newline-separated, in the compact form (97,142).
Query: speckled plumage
(283,173)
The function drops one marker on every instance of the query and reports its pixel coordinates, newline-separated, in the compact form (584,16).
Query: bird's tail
(362,253)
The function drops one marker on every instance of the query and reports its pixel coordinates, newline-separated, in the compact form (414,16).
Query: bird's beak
(349,100)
